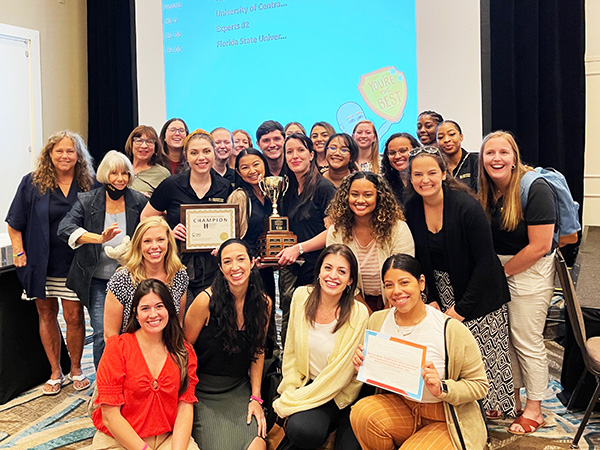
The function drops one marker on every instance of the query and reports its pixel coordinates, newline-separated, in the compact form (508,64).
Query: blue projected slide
(236,63)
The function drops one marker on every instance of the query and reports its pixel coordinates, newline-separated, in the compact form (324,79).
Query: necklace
(408,329)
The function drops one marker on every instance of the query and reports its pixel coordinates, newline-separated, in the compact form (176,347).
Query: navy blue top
(61,254)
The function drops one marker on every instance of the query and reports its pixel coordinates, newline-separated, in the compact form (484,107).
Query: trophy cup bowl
(273,188)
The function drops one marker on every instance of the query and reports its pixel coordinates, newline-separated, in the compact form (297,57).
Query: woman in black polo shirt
(199,185)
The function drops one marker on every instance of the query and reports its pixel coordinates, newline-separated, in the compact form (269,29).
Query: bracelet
(21,253)
(258,399)
(145,446)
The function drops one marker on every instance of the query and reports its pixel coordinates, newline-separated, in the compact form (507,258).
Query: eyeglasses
(176,130)
(429,150)
(140,141)
(342,150)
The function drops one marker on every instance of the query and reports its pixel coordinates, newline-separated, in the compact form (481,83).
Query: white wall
(591,187)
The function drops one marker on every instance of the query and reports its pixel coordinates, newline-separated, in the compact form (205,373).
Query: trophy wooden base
(271,243)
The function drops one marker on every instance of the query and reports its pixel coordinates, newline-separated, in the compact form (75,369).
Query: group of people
(408,243)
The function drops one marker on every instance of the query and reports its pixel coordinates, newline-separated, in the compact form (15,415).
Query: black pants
(310,429)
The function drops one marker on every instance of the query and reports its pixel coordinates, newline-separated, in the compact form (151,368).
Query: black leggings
(310,429)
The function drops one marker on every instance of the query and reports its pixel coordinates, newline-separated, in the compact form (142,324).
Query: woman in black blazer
(453,243)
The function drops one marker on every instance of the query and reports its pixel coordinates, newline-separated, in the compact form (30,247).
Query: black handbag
(272,377)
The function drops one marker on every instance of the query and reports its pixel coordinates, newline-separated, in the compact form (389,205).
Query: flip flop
(53,383)
(80,378)
(529,425)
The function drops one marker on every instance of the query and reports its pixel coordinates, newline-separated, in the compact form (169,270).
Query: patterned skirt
(491,333)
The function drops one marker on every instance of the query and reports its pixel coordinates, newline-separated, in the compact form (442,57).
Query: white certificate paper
(393,364)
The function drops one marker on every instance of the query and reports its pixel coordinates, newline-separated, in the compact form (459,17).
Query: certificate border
(415,396)
(183,209)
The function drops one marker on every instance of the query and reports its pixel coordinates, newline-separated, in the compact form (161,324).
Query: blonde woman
(44,197)
(152,254)
(365,135)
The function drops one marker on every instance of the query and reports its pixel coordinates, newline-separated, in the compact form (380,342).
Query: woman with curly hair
(227,324)
(42,259)
(453,243)
(144,149)
(152,254)
(367,218)
(395,161)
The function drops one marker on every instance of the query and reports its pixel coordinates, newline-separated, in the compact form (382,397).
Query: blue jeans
(96,311)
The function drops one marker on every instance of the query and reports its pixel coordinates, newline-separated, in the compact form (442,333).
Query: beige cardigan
(401,241)
(337,381)
(467,383)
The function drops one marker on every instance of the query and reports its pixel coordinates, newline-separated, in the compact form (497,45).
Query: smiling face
(175,134)
(64,155)
(119,178)
(236,264)
(364,135)
(338,154)
(319,136)
(152,314)
(200,155)
(398,153)
(449,139)
(362,197)
(403,290)
(427,176)
(426,129)
(498,160)
(142,148)
(154,245)
(223,144)
(334,275)
(251,169)
(298,157)
(240,142)
(271,145)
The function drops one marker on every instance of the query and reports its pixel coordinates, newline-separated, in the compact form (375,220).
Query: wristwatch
(300,248)
(443,387)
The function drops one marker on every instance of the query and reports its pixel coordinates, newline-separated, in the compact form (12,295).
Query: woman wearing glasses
(145,152)
(342,152)
(395,162)
(367,218)
(453,243)
(172,137)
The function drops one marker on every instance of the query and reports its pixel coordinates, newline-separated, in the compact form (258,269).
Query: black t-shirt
(176,191)
(256,220)
(540,210)
(467,170)
(308,228)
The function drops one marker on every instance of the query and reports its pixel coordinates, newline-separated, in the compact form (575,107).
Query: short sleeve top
(176,191)
(123,287)
(149,405)
(540,210)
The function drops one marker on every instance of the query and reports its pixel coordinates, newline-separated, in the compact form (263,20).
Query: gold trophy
(277,234)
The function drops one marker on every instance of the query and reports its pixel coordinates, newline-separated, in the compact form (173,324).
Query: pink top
(149,405)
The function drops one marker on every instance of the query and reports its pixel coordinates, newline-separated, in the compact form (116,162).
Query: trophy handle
(286,185)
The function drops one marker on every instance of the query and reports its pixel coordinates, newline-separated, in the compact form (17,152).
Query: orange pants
(390,421)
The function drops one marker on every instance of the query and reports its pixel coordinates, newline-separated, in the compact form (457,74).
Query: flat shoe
(494,415)
(53,383)
(81,379)
(529,425)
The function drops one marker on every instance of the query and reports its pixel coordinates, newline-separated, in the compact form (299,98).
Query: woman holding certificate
(319,383)
(448,415)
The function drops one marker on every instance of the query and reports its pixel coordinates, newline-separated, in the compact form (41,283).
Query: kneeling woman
(227,323)
(448,416)
(146,379)
(319,384)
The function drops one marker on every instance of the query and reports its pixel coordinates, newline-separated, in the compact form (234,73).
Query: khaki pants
(103,441)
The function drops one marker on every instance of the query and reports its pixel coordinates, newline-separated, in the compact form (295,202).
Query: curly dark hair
(256,310)
(386,214)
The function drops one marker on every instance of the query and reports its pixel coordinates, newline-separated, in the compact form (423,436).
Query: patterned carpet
(35,421)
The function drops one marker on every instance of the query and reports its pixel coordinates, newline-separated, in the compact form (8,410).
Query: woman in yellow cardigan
(325,327)
(448,416)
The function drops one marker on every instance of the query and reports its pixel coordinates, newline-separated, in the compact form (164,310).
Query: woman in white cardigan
(367,218)
(319,383)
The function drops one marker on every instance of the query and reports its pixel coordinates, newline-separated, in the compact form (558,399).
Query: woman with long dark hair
(172,138)
(319,383)
(395,162)
(319,134)
(146,378)
(227,324)
(453,243)
(341,153)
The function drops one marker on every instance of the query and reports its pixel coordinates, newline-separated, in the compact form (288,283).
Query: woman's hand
(20,261)
(109,233)
(255,409)
(452,313)
(289,255)
(432,379)
(180,232)
(359,357)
